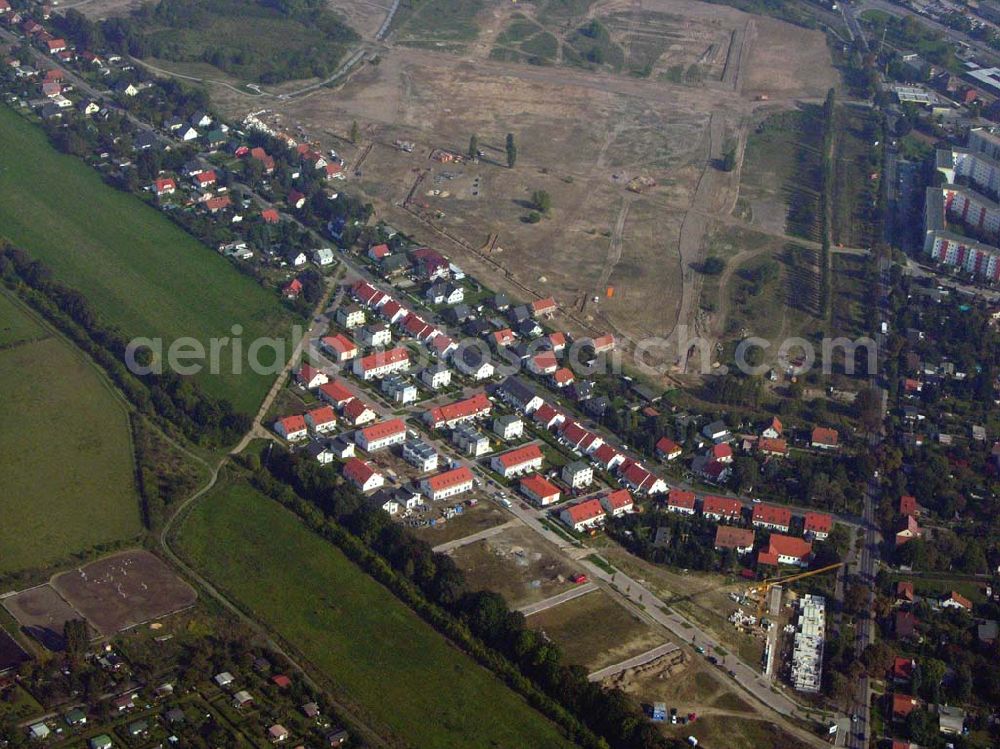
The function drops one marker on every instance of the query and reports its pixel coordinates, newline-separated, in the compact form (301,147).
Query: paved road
(639,660)
(458,543)
(548,603)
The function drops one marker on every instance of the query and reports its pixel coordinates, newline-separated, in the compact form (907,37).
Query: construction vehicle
(765,586)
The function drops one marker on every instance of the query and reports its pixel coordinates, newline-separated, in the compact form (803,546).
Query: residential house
(638,479)
(436,376)
(546,307)
(323,257)
(618,502)
(824,438)
(277,733)
(377,334)
(339,347)
(382,363)
(319,452)
(773,430)
(902,670)
(905,625)
(350,316)
(363,475)
(955,600)
(503,338)
(904,591)
(270,216)
(680,501)
(518,461)
(772,447)
(384,500)
(474,363)
(951,720)
(607,457)
(562,377)
(785,550)
(356,412)
(578,439)
(717,431)
(721,509)
(578,474)
(539,490)
(321,420)
(544,363)
(379,251)
(603,344)
(309,377)
(470,440)
(771,517)
(451,414)
(399,390)
(430,264)
(292,428)
(908,505)
(443,345)
(738,539)
(818,525)
(164,186)
(721,453)
(583,515)
(907,530)
(902,706)
(667,449)
(519,394)
(508,427)
(421,455)
(548,417)
(382,435)
(448,484)
(336,394)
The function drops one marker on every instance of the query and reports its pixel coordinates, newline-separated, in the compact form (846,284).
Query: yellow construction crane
(769,583)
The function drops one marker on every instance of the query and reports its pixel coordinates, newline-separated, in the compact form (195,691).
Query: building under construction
(807,651)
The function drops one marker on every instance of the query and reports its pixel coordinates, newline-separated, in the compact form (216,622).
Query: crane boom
(771,582)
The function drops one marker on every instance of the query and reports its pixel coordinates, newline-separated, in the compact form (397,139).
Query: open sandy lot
(582,135)
(517,564)
(42,613)
(123,590)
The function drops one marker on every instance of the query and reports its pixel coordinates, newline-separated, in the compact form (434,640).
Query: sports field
(141,272)
(65,450)
(381,655)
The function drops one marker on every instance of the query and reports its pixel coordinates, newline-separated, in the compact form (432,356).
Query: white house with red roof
(451,414)
(292,428)
(336,394)
(562,377)
(367,294)
(339,347)
(539,490)
(607,457)
(393,311)
(818,525)
(681,502)
(515,462)
(382,363)
(618,502)
(547,417)
(556,341)
(640,480)
(365,476)
(321,420)
(772,447)
(825,439)
(309,377)
(543,363)
(380,436)
(738,539)
(603,343)
(448,484)
(164,186)
(379,251)
(443,345)
(956,600)
(545,306)
(721,453)
(771,517)
(722,509)
(785,550)
(503,338)
(773,430)
(583,515)
(356,412)
(292,289)
(667,449)
(578,439)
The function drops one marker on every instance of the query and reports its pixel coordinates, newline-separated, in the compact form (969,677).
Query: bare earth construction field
(582,135)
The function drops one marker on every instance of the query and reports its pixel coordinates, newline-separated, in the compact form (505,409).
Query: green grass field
(379,653)
(15,326)
(141,272)
(65,452)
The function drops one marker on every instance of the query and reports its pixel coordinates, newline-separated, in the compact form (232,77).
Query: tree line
(478,621)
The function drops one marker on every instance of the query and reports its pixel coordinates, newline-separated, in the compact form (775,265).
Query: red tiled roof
(293,424)
(825,436)
(166,183)
(902,705)
(667,446)
(542,306)
(339,343)
(355,408)
(520,455)
(907,505)
(619,498)
(724,506)
(584,511)
(544,361)
(904,590)
(818,522)
(503,337)
(469,407)
(379,251)
(460,475)
(539,486)
(680,498)
(322,415)
(605,454)
(772,514)
(306,373)
(270,216)
(557,340)
(544,414)
(776,425)
(604,342)
(902,668)
(383,358)
(358,471)
(336,391)
(205,178)
(783,546)
(730,537)
(562,376)
(383,429)
(771,445)
(218,203)
(961,600)
(722,451)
